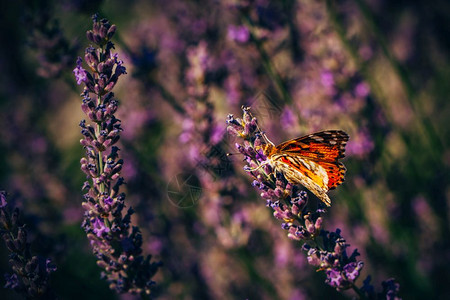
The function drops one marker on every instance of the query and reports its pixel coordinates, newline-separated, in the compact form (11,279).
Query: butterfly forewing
(325,145)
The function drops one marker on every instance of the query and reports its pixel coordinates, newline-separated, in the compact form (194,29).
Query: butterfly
(311,160)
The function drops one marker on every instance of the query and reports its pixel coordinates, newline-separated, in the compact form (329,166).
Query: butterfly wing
(299,170)
(326,145)
(312,161)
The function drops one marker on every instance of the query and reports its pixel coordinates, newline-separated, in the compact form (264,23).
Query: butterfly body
(312,161)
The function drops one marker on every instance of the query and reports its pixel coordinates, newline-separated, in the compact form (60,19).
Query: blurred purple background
(376,69)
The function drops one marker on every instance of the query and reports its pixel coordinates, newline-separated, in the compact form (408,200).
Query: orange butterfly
(312,161)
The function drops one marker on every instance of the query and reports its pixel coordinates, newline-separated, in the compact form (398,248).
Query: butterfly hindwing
(303,171)
(335,172)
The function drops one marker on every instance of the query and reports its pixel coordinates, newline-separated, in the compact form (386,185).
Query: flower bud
(111,31)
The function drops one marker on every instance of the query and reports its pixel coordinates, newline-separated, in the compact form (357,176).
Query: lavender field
(142,156)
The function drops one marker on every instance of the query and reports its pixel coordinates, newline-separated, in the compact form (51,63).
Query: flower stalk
(115,241)
(31,273)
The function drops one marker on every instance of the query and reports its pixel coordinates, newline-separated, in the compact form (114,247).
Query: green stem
(106,221)
(100,153)
(98,131)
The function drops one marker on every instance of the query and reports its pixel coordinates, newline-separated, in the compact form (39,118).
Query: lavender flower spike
(116,243)
(327,251)
(31,273)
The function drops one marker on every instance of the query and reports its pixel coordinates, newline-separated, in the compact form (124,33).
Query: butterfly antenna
(234,153)
(265,137)
(263,134)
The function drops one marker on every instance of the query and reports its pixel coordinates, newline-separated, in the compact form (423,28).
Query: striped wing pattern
(326,145)
(313,161)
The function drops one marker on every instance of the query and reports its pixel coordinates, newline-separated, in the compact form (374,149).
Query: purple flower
(3,202)
(12,281)
(239,34)
(108,201)
(367,288)
(352,269)
(327,79)
(334,278)
(49,266)
(120,68)
(80,72)
(391,288)
(362,90)
(99,227)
